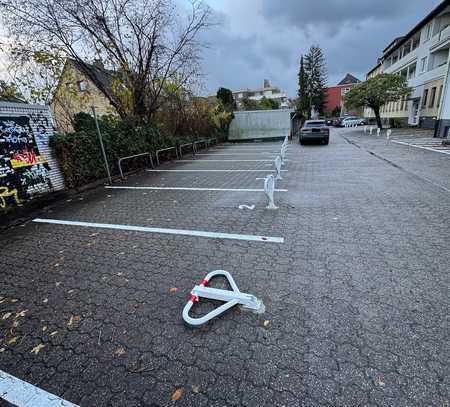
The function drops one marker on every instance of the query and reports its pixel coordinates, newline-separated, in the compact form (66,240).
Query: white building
(422,57)
(267,91)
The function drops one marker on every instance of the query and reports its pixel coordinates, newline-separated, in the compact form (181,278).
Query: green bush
(395,123)
(79,153)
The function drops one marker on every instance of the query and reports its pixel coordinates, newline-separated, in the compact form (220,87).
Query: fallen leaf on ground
(12,341)
(2,350)
(93,234)
(53,333)
(45,300)
(14,300)
(7,315)
(177,394)
(72,320)
(44,328)
(15,324)
(195,389)
(58,283)
(266,323)
(380,382)
(21,313)
(173,289)
(2,301)
(119,351)
(37,348)
(70,291)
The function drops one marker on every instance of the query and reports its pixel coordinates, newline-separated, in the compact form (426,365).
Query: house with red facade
(335,96)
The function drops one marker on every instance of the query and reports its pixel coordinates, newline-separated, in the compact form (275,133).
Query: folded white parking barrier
(230,297)
(278,167)
(269,189)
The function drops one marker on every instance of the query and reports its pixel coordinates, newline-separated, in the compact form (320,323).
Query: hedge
(79,152)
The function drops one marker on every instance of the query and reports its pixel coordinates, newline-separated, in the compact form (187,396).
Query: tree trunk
(376,110)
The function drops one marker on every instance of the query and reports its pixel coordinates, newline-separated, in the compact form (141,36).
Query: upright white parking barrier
(365,129)
(230,297)
(283,153)
(269,188)
(371,130)
(388,135)
(278,167)
(378,131)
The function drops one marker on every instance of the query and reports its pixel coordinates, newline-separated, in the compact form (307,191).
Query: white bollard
(370,130)
(378,131)
(283,154)
(365,129)
(388,135)
(269,188)
(278,167)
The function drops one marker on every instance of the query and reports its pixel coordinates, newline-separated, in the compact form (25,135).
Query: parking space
(353,286)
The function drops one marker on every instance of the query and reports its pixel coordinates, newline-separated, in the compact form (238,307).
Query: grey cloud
(264,38)
(336,13)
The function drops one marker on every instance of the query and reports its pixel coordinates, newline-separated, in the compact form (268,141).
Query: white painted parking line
(182,232)
(422,147)
(23,394)
(232,154)
(223,161)
(210,170)
(197,189)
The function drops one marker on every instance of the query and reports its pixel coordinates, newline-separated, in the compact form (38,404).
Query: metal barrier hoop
(119,163)
(165,149)
(199,142)
(185,145)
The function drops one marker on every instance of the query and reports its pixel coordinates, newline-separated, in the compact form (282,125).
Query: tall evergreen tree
(303,101)
(315,67)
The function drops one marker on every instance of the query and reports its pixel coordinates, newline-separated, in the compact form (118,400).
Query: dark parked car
(314,130)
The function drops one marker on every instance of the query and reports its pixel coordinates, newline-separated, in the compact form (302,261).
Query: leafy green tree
(226,97)
(376,92)
(336,112)
(9,91)
(249,104)
(268,104)
(316,72)
(303,101)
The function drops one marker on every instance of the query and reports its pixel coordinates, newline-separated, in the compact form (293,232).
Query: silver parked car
(314,130)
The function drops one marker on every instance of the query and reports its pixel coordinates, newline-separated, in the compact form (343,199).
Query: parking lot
(352,269)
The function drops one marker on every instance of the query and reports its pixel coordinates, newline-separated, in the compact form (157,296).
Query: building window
(433,96)
(82,86)
(412,71)
(428,32)
(425,98)
(439,95)
(423,65)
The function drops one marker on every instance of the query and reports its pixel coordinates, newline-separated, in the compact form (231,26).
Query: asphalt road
(356,296)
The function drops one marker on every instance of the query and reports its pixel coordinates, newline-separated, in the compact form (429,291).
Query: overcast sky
(260,39)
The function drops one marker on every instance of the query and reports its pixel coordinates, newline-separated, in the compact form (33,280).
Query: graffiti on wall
(24,170)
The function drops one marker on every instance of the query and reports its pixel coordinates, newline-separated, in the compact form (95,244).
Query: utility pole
(101,145)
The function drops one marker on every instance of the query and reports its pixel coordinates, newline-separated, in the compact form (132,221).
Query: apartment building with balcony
(268,91)
(422,57)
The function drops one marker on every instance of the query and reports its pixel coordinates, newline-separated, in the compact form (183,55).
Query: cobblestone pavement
(356,297)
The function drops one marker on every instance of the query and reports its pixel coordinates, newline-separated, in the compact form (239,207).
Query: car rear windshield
(315,124)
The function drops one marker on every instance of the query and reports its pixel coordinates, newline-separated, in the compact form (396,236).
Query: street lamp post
(105,159)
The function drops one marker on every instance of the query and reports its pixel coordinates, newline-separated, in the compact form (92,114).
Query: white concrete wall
(260,124)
